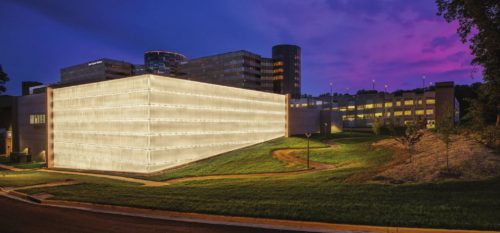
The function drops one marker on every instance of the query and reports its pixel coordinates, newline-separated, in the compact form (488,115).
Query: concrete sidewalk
(265,223)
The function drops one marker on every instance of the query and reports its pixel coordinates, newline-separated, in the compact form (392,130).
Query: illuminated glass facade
(149,123)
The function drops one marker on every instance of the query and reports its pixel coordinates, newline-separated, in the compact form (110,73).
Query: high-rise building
(163,63)
(266,74)
(287,70)
(235,69)
(94,71)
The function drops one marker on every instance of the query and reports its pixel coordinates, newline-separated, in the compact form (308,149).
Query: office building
(164,63)
(95,71)
(287,70)
(400,109)
(149,123)
(266,74)
(234,69)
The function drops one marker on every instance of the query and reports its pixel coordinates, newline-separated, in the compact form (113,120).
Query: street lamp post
(308,135)
(331,96)
(373,84)
(385,88)
(423,82)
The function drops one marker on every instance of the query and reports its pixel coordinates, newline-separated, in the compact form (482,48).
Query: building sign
(94,63)
(37,119)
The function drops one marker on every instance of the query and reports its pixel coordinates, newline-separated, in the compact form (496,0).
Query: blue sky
(347,42)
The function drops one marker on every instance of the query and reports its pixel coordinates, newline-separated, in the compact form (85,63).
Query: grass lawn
(321,196)
(253,159)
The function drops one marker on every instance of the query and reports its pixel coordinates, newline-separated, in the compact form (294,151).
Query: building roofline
(165,51)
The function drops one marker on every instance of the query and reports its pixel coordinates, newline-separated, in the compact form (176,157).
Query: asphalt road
(20,217)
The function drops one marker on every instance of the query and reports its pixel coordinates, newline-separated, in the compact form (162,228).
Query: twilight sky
(347,42)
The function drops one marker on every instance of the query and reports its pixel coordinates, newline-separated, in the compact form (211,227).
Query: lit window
(350,107)
(291,105)
(419,112)
(369,106)
(408,102)
(37,119)
(419,101)
(429,111)
(343,109)
(430,101)
(361,107)
(388,104)
(378,114)
(304,105)
(408,113)
(388,114)
(379,105)
(398,113)
(398,103)
(360,115)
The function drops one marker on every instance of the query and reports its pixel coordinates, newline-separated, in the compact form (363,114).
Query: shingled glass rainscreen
(149,123)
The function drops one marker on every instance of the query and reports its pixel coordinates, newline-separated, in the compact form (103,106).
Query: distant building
(235,69)
(287,70)
(26,85)
(95,71)
(163,63)
(358,111)
(266,74)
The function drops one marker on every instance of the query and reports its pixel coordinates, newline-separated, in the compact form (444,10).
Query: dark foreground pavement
(20,217)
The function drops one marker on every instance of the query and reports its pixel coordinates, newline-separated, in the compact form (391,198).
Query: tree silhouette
(481,21)
(4,78)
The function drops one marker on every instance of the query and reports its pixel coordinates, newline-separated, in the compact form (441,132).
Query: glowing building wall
(148,123)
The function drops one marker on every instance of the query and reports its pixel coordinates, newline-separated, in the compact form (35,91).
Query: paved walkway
(11,168)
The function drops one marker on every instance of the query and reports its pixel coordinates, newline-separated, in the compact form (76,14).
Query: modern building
(163,63)
(149,123)
(32,125)
(95,71)
(287,70)
(234,69)
(359,111)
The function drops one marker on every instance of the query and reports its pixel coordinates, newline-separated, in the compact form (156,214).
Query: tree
(445,128)
(481,21)
(376,125)
(411,137)
(4,78)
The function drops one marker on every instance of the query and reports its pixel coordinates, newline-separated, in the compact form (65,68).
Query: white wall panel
(148,123)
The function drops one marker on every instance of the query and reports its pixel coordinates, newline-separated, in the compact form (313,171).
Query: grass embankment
(319,196)
(351,151)
(32,177)
(252,159)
